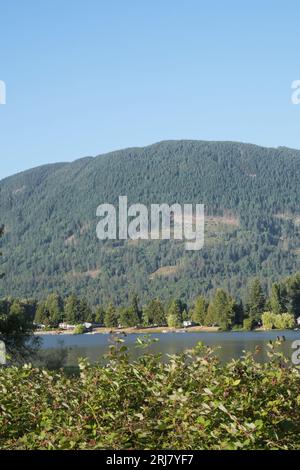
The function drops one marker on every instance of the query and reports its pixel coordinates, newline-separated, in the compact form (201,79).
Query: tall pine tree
(199,311)
(256,301)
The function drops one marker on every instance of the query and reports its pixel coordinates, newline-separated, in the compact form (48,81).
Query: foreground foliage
(190,402)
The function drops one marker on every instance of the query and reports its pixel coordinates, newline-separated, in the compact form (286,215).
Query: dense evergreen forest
(279,309)
(252,200)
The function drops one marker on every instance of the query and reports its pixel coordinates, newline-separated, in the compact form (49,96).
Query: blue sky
(88,77)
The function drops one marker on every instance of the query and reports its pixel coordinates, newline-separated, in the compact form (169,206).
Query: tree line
(279,309)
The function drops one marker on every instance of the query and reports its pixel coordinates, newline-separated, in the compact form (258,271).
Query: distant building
(298,321)
(187,323)
(39,326)
(66,326)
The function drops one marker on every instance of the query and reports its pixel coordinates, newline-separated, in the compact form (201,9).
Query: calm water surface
(231,344)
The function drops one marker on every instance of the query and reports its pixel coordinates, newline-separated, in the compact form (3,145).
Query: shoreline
(148,330)
(133,330)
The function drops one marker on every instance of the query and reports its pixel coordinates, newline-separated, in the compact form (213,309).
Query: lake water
(231,344)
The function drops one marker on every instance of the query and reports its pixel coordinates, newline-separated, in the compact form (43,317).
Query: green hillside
(252,198)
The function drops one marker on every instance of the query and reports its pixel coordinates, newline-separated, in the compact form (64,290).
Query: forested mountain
(252,199)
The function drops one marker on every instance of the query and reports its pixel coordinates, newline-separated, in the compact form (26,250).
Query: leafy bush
(281,321)
(248,324)
(190,402)
(284,321)
(268,320)
(79,330)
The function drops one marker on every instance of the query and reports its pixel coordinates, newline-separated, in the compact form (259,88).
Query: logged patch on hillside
(295,218)
(217,226)
(230,220)
(92,273)
(164,271)
(19,190)
(70,240)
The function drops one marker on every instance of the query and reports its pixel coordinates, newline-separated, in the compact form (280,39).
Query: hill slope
(252,198)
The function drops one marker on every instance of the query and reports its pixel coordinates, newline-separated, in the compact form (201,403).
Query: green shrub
(190,402)
(268,320)
(248,324)
(284,321)
(280,321)
(79,330)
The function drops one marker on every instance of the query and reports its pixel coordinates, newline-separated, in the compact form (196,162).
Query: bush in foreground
(191,402)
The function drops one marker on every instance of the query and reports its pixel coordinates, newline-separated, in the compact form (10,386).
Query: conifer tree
(174,317)
(199,311)
(154,314)
(111,317)
(256,300)
(222,309)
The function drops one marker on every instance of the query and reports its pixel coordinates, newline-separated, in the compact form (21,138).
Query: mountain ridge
(136,148)
(43,207)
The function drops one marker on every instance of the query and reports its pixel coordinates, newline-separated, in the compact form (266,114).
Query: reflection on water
(230,344)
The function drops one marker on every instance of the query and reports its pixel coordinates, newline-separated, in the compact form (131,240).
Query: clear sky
(85,77)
